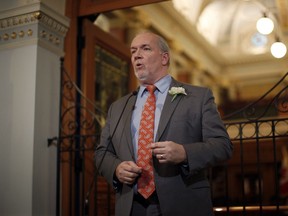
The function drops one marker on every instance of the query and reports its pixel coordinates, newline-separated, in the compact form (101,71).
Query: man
(189,136)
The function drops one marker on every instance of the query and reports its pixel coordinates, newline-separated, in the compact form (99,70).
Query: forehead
(144,39)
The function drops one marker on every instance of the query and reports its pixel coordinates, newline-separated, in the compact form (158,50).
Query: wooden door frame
(95,36)
(77,10)
(88,7)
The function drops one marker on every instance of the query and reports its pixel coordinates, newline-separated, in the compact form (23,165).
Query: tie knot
(151,88)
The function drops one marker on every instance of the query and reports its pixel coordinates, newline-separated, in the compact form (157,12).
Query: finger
(157,145)
(126,178)
(162,160)
(157,152)
(161,157)
(153,145)
(132,167)
(130,179)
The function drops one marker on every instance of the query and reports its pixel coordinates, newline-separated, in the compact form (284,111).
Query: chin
(141,76)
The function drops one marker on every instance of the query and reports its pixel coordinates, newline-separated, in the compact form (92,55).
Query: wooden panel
(88,7)
(95,36)
(70,61)
(70,65)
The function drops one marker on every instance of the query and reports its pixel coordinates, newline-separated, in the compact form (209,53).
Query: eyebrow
(143,45)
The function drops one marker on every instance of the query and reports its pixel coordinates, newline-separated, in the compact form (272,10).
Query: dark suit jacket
(191,120)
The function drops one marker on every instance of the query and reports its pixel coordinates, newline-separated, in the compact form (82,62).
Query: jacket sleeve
(214,146)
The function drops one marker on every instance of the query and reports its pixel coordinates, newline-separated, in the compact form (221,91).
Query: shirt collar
(161,85)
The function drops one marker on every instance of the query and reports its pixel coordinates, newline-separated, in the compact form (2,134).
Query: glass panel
(111,77)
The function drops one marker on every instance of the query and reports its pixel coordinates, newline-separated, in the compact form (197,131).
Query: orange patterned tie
(146,185)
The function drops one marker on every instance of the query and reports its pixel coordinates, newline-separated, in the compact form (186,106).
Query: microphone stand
(86,201)
(134,93)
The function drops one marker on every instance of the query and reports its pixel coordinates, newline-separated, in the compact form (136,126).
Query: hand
(169,152)
(127,172)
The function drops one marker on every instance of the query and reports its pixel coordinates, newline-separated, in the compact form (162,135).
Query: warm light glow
(189,9)
(278,49)
(265,25)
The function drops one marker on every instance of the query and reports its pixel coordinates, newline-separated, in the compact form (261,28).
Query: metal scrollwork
(86,119)
(279,103)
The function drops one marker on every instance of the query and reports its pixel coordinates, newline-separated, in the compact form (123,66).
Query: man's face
(149,63)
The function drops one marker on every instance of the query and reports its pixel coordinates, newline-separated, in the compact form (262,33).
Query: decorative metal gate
(79,190)
(255,181)
(249,184)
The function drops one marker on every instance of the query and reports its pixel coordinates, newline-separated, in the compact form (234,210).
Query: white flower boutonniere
(174,91)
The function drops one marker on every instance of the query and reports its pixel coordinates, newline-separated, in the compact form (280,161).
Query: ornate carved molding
(33,25)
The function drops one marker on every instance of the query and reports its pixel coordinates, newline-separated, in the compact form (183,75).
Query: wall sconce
(278,49)
(265,25)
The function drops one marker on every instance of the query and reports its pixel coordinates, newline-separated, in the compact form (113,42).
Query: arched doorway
(96,70)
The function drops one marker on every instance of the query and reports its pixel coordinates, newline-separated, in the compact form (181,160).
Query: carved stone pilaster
(34,27)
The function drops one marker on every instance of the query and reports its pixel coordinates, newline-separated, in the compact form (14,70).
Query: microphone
(134,93)
(86,203)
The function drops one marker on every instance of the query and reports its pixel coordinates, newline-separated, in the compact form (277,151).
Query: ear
(165,58)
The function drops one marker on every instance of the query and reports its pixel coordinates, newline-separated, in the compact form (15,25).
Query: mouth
(139,65)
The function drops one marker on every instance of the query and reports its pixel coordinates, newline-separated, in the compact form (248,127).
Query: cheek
(152,61)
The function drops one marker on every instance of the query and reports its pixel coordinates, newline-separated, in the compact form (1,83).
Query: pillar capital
(33,24)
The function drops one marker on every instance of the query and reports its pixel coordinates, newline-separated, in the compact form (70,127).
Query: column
(31,44)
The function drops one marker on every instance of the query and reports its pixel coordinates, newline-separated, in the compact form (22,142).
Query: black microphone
(86,203)
(134,93)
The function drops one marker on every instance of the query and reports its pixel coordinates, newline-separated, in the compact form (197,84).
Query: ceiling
(215,43)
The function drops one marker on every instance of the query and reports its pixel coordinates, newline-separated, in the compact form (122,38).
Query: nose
(136,57)
(137,54)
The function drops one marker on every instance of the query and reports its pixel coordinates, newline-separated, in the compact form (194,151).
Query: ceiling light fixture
(265,25)
(278,49)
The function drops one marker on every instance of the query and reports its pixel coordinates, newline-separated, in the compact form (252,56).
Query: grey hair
(164,47)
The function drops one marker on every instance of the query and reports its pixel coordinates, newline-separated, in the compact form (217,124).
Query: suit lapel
(168,109)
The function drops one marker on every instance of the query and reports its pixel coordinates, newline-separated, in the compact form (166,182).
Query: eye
(146,48)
